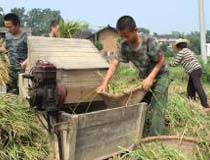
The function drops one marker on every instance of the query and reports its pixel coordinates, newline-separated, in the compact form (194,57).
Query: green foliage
(205,71)
(164,47)
(144,30)
(194,38)
(166,50)
(208,36)
(178,74)
(184,116)
(1,17)
(99,45)
(177,34)
(39,20)
(68,29)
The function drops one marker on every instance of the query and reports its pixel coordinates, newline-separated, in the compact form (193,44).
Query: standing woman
(188,60)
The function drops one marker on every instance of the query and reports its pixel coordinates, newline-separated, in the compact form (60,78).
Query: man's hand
(23,64)
(147,83)
(109,74)
(3,50)
(101,88)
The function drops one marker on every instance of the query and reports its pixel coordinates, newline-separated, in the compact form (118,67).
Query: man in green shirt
(144,52)
(16,47)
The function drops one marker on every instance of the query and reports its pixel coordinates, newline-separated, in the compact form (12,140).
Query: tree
(144,30)
(39,20)
(194,38)
(1,17)
(21,13)
(177,34)
(99,45)
(155,34)
(208,36)
(164,47)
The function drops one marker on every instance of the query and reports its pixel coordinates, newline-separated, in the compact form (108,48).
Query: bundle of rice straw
(4,69)
(22,137)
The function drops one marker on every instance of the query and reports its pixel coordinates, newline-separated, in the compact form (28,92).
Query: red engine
(44,93)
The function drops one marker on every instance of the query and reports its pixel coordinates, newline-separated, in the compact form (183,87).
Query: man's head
(12,23)
(54,28)
(126,27)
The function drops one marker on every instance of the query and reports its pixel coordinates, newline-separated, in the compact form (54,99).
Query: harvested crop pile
(22,137)
(4,69)
(186,118)
(156,151)
(124,80)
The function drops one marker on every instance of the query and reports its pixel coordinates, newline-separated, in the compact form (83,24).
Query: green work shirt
(145,57)
(17,49)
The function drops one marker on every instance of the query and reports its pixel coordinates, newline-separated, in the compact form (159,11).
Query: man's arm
(148,82)
(112,68)
(177,60)
(24,63)
(157,57)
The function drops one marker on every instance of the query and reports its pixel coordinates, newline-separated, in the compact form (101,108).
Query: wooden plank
(141,120)
(63,44)
(46,41)
(69,63)
(102,117)
(78,95)
(53,146)
(64,49)
(69,145)
(61,41)
(81,75)
(102,149)
(69,58)
(23,86)
(102,132)
(54,47)
(81,54)
(80,85)
(69,53)
(47,45)
(40,38)
(85,135)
